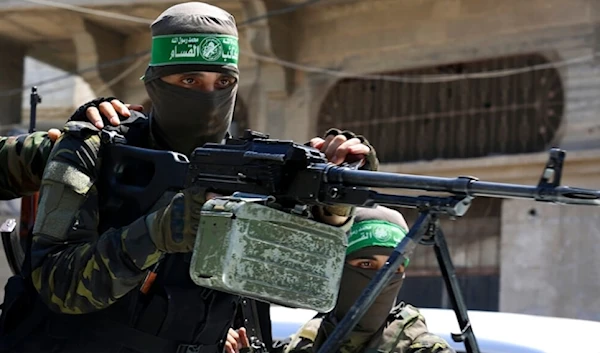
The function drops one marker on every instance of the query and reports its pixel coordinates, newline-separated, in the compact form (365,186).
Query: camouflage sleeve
(304,340)
(429,343)
(75,269)
(414,335)
(301,344)
(23,159)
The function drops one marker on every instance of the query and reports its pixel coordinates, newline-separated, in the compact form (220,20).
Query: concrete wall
(57,94)
(11,64)
(61,93)
(550,263)
(371,37)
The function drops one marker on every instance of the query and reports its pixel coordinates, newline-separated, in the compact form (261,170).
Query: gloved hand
(370,161)
(105,111)
(173,228)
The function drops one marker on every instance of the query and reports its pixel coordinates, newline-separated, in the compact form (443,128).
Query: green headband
(211,49)
(374,233)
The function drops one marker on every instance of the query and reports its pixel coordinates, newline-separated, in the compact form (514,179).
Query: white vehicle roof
(496,332)
(508,332)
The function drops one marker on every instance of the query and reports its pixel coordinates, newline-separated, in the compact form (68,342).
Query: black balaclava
(188,37)
(375,231)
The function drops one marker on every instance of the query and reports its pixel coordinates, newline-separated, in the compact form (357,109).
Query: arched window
(516,113)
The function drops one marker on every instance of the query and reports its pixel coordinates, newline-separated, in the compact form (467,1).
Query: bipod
(435,237)
(426,231)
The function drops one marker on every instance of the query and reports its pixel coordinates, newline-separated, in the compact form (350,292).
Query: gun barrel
(464,185)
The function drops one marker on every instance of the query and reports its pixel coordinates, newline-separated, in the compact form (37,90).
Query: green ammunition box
(256,251)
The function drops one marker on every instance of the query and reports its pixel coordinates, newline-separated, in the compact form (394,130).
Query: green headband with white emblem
(207,49)
(374,233)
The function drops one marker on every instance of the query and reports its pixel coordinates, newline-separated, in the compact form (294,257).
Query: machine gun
(293,178)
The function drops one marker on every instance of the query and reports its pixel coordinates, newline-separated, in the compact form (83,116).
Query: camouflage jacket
(75,268)
(406,332)
(23,159)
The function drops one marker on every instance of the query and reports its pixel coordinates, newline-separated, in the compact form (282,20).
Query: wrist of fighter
(169,231)
(173,228)
(139,246)
(155,233)
(337,210)
(338,216)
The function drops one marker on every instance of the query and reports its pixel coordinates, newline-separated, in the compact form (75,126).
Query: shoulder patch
(66,174)
(404,313)
(305,336)
(310,329)
(409,313)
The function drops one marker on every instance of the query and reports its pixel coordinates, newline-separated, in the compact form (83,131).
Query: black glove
(173,228)
(371,161)
(79,114)
(79,122)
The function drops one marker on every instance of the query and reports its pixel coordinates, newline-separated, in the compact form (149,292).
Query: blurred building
(514,255)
